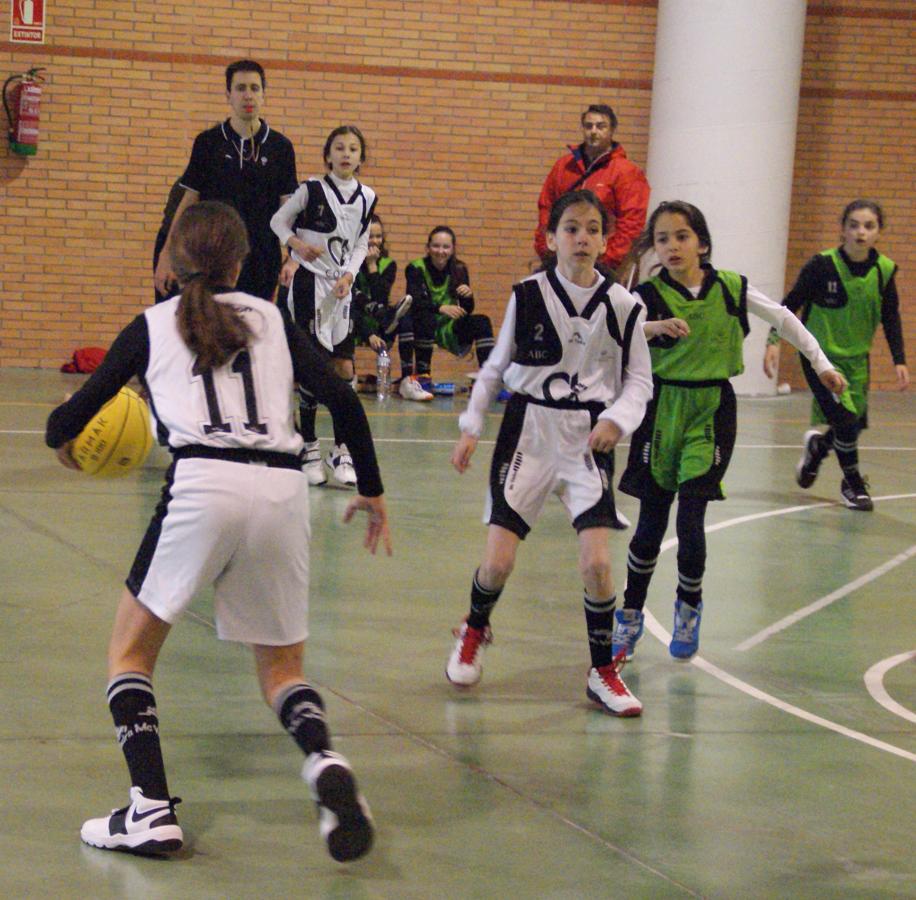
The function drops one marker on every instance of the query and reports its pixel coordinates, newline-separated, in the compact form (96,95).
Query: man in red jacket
(600,165)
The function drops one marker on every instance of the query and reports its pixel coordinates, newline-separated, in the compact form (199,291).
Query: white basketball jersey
(562,355)
(244,403)
(331,222)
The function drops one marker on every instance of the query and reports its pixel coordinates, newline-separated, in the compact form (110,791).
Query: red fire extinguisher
(21,100)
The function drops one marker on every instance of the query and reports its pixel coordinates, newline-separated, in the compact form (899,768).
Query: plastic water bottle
(383,375)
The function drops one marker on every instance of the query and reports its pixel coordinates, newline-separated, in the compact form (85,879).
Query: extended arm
(359,252)
(461,287)
(628,410)
(127,357)
(164,276)
(893,332)
(489,380)
(791,329)
(312,371)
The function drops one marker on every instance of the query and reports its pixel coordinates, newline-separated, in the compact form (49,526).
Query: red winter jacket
(620,185)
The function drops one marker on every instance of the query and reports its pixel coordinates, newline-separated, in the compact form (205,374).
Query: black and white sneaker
(340,463)
(401,308)
(144,826)
(814,452)
(854,490)
(343,814)
(311,464)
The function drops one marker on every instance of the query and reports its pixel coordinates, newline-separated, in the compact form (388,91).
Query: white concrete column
(722,135)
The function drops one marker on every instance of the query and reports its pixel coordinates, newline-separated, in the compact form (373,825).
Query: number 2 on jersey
(241,366)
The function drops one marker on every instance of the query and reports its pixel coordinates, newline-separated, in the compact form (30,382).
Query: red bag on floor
(86,359)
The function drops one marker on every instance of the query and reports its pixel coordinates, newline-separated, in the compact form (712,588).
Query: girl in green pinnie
(378,324)
(443,305)
(696,323)
(841,295)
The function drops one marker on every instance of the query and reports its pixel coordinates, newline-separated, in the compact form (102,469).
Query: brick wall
(856,134)
(464,107)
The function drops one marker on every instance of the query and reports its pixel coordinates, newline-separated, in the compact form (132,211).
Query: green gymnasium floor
(781,763)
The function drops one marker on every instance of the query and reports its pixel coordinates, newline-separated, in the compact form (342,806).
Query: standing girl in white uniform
(325,225)
(219,366)
(573,352)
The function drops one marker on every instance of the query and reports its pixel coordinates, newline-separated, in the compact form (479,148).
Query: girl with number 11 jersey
(218,366)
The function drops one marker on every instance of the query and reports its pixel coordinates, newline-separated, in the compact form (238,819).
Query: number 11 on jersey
(242,370)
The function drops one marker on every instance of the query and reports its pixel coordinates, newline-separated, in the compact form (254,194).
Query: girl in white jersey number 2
(234,514)
(573,352)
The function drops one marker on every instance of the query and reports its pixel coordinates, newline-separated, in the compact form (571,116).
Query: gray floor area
(781,763)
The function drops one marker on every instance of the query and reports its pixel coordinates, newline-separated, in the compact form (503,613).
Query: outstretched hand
(342,285)
(604,436)
(464,450)
(163,276)
(288,272)
(65,456)
(833,381)
(377,526)
(308,252)
(673,328)
(771,360)
(65,451)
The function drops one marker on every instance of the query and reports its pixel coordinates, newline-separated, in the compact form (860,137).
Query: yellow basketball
(117,439)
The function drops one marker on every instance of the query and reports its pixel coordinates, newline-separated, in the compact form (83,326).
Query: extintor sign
(27,21)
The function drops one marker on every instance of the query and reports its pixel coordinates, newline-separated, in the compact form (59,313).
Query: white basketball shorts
(244,528)
(543,450)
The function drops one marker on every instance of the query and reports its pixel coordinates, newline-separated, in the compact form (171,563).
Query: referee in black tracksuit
(245,163)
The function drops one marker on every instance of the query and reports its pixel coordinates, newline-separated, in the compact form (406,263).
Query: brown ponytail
(208,243)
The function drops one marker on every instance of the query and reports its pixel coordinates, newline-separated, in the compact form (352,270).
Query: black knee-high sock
(133,708)
(644,549)
(301,712)
(846,445)
(691,550)
(639,574)
(405,351)
(482,602)
(423,354)
(599,620)
(308,410)
(483,347)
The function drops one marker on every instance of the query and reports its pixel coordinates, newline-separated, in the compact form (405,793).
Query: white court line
(653,625)
(832,597)
(657,631)
(874,681)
